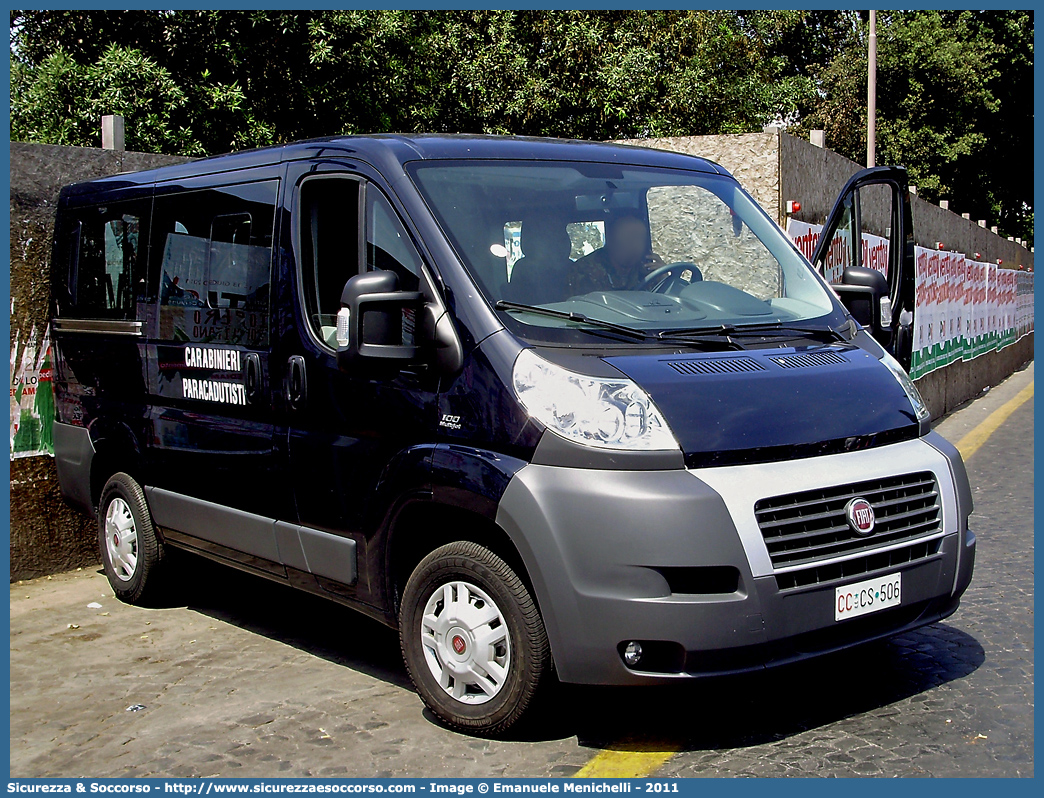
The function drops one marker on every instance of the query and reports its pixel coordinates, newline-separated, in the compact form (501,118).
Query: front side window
(337,242)
(388,245)
(655,250)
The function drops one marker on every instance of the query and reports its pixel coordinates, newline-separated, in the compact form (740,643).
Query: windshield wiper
(503,304)
(609,326)
(772,329)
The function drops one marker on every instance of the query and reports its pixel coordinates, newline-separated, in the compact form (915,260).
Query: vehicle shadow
(310,623)
(767,706)
(713,713)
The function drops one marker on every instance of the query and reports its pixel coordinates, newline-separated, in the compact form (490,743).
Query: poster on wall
(929,319)
(875,253)
(962,308)
(976,310)
(992,336)
(1011,289)
(956,270)
(32,397)
(1023,304)
(806,236)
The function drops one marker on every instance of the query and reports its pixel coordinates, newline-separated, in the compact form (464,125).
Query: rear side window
(212,257)
(105,251)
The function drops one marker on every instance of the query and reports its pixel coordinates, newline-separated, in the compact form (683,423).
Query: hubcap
(121,539)
(465,641)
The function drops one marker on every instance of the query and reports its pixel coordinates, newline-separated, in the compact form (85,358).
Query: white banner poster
(924,317)
(955,280)
(962,309)
(992,331)
(838,256)
(1008,297)
(875,253)
(1024,304)
(804,235)
(976,309)
(945,309)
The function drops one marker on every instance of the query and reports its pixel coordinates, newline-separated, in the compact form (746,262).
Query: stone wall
(753,158)
(46,535)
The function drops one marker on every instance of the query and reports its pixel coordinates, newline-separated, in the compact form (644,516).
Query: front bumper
(675,560)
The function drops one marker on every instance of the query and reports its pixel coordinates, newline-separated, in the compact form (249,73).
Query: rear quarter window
(101,273)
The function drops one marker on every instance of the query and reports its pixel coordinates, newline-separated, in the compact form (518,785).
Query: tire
(465,613)
(131,552)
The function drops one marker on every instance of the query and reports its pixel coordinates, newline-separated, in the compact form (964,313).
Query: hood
(760,405)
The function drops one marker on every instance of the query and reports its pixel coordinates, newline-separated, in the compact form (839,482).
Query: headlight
(608,413)
(920,408)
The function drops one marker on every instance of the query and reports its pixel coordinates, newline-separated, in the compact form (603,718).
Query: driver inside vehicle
(622,263)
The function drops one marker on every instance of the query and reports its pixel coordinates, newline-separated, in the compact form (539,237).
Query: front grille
(802,529)
(858,566)
(724,365)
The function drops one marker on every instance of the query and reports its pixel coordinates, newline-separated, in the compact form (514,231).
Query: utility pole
(871,93)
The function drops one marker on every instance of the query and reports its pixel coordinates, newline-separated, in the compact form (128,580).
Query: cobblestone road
(248,678)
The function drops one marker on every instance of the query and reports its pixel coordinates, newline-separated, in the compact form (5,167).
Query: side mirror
(864,292)
(375,324)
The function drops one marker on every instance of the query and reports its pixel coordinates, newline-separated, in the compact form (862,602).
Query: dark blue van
(547,407)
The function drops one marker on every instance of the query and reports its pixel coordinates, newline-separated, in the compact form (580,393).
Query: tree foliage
(279,75)
(953,101)
(954,105)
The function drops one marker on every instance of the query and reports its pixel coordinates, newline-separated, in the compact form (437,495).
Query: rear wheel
(473,639)
(131,552)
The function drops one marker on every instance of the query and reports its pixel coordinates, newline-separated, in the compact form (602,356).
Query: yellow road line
(970,443)
(629,759)
(635,759)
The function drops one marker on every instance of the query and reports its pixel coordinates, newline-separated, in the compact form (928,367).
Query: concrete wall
(46,535)
(814,176)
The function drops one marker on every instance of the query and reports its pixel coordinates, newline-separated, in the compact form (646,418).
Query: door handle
(252,377)
(296,382)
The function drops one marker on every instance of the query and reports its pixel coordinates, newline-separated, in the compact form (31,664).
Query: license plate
(872,595)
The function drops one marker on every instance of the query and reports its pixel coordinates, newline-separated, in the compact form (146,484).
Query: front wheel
(473,639)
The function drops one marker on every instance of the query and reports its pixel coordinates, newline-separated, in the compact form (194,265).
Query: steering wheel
(667,276)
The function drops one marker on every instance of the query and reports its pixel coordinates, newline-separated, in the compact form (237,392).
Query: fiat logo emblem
(458,644)
(860,515)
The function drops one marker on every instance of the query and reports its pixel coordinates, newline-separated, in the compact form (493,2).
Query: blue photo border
(794,787)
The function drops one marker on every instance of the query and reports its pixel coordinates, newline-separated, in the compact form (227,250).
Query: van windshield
(558,247)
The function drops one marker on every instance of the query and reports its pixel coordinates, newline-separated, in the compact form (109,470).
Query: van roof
(389,152)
